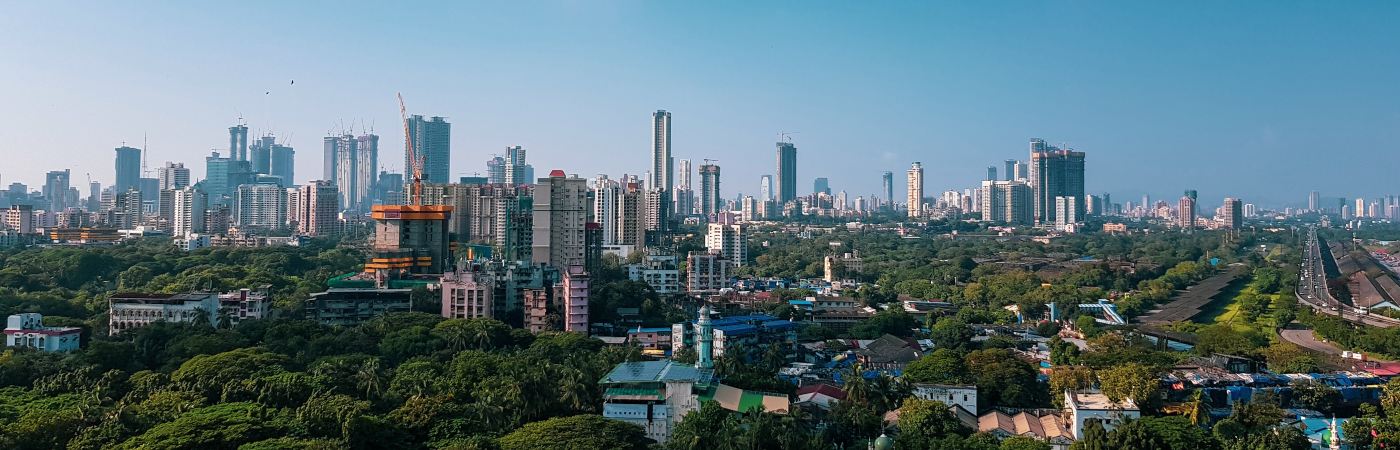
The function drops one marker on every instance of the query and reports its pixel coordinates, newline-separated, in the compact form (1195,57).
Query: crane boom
(417,169)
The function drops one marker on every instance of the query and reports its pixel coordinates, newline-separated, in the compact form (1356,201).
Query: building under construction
(410,239)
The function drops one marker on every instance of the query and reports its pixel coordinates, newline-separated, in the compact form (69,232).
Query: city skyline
(1138,102)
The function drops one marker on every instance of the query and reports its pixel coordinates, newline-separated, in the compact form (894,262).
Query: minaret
(706,338)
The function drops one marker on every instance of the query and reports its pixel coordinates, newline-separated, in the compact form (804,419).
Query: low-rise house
(1084,406)
(656,395)
(134,310)
(964,396)
(27,330)
(351,306)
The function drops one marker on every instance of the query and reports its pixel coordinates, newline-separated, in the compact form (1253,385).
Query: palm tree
(573,392)
(369,377)
(1196,409)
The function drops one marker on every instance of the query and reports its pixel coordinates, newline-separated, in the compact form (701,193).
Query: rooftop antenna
(144,171)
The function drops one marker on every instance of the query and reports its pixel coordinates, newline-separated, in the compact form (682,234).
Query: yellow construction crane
(416,193)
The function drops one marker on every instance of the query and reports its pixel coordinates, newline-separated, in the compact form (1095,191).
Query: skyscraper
(173,176)
(56,185)
(787,172)
(765,188)
(560,212)
(684,197)
(887,182)
(128,169)
(1054,173)
(517,171)
(661,168)
(606,194)
(1009,170)
(356,168)
(496,170)
(821,185)
(916,189)
(432,140)
(1312,201)
(991,173)
(283,164)
(238,142)
(1233,211)
(710,199)
(260,206)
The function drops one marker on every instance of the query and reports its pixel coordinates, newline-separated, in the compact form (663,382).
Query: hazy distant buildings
(915,189)
(432,140)
(1313,201)
(710,199)
(821,185)
(1186,210)
(238,142)
(787,172)
(270,158)
(661,160)
(516,170)
(222,175)
(765,188)
(56,185)
(887,184)
(356,164)
(1054,173)
(128,169)
(683,199)
(1008,171)
(173,176)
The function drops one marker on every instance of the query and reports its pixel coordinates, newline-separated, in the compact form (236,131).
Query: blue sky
(1229,98)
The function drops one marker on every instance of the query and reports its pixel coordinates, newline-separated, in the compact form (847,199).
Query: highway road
(1312,289)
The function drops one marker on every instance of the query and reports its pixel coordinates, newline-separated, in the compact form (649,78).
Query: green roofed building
(656,395)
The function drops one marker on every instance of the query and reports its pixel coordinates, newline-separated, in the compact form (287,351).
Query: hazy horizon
(1235,99)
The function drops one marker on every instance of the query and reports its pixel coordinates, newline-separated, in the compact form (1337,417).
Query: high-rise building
(412,238)
(94,201)
(270,158)
(466,294)
(1360,209)
(1186,210)
(432,140)
(517,171)
(710,199)
(1022,172)
(684,197)
(356,167)
(821,185)
(1054,173)
(915,189)
(1313,198)
(128,169)
(283,164)
(991,173)
(56,185)
(887,188)
(706,273)
(606,194)
(238,142)
(573,287)
(1067,209)
(661,162)
(1009,170)
(765,188)
(787,172)
(318,208)
(1233,212)
(496,170)
(188,206)
(1006,202)
(262,206)
(560,212)
(730,241)
(631,215)
(173,175)
(222,175)
(1250,210)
